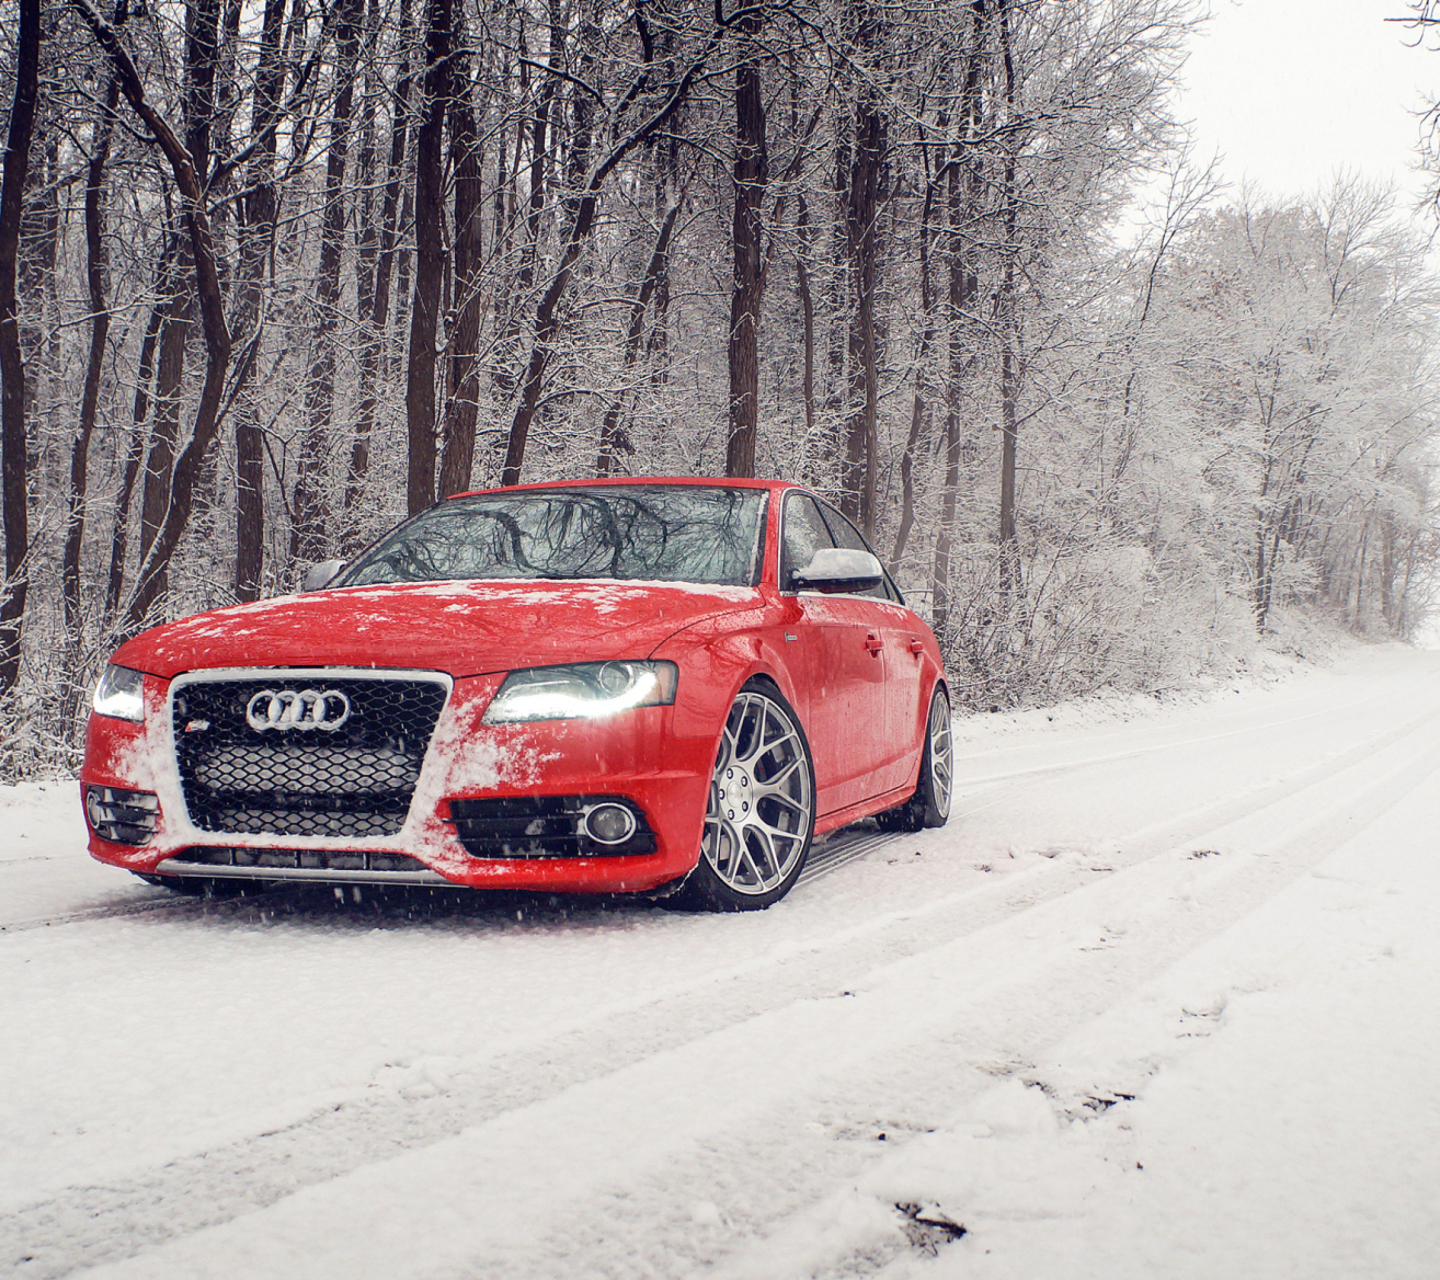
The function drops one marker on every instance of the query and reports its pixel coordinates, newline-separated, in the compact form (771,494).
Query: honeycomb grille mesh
(346,780)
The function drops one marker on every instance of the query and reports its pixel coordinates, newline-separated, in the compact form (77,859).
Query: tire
(761,813)
(929,806)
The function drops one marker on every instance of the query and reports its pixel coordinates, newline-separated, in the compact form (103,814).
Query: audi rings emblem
(297,709)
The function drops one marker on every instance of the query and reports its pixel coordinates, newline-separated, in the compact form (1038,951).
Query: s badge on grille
(297,709)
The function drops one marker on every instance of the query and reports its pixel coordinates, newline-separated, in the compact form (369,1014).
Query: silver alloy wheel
(942,755)
(762,802)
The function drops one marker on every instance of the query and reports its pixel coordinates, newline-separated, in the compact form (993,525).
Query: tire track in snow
(169,906)
(91,1224)
(931,1084)
(605,1175)
(767,1179)
(253,899)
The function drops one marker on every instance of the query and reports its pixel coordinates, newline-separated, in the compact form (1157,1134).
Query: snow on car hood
(464,628)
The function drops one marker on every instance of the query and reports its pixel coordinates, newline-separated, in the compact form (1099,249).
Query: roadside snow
(1158,1002)
(1268,1107)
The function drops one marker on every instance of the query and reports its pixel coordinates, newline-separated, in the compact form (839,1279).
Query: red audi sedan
(664,686)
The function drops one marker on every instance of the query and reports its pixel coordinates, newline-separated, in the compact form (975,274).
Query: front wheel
(930,805)
(761,811)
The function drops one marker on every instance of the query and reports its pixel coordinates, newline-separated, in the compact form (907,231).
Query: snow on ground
(1158,1002)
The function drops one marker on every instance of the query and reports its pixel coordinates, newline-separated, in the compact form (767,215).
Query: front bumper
(638,758)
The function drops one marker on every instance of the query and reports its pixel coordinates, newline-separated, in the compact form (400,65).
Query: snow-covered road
(1160,1001)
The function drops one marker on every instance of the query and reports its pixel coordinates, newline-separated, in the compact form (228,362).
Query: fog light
(609,824)
(122,817)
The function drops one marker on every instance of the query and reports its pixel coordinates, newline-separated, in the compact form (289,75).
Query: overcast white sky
(1292,90)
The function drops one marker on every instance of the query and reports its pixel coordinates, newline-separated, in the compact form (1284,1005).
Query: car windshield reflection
(664,533)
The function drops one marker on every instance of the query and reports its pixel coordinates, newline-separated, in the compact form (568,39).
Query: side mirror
(320,575)
(834,570)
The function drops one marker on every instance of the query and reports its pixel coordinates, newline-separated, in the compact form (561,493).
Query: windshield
(667,533)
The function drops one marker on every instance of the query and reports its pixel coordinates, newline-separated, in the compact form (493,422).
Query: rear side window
(848,536)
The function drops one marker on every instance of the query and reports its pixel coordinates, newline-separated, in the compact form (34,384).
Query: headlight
(120,693)
(582,690)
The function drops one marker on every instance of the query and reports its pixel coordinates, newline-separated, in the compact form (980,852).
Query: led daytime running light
(584,690)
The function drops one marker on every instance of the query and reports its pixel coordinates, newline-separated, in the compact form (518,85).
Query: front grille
(542,827)
(256,757)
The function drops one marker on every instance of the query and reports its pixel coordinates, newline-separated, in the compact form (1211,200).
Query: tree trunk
(539,152)
(1009,327)
(96,269)
(39,255)
(964,186)
(309,539)
(922,360)
(169,381)
(807,312)
(613,439)
(657,345)
(14,495)
(258,210)
(918,404)
(751,173)
(859,469)
(959,286)
(375,262)
(429,260)
(135,454)
(463,408)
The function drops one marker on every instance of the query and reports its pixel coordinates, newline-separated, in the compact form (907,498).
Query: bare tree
(429,257)
(96,273)
(581,221)
(751,173)
(462,408)
(151,577)
(15,497)
(309,538)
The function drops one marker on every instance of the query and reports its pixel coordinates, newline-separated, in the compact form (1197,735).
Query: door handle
(917,645)
(874,644)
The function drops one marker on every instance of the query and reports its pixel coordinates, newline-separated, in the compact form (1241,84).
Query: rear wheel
(761,811)
(930,805)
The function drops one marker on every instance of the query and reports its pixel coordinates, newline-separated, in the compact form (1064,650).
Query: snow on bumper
(638,760)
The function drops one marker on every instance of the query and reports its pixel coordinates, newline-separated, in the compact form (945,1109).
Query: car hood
(464,628)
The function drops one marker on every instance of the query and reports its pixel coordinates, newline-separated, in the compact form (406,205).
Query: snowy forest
(275,274)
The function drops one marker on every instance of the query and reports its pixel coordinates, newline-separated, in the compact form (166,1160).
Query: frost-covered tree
(870,247)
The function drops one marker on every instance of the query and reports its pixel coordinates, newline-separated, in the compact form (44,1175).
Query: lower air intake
(122,817)
(544,827)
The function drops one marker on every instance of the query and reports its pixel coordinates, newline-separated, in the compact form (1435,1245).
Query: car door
(882,612)
(837,649)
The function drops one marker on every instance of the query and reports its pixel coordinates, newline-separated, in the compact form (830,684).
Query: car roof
(612,481)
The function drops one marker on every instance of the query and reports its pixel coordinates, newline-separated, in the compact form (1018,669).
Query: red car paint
(859,671)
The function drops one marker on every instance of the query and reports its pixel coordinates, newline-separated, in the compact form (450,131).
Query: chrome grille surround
(350,780)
